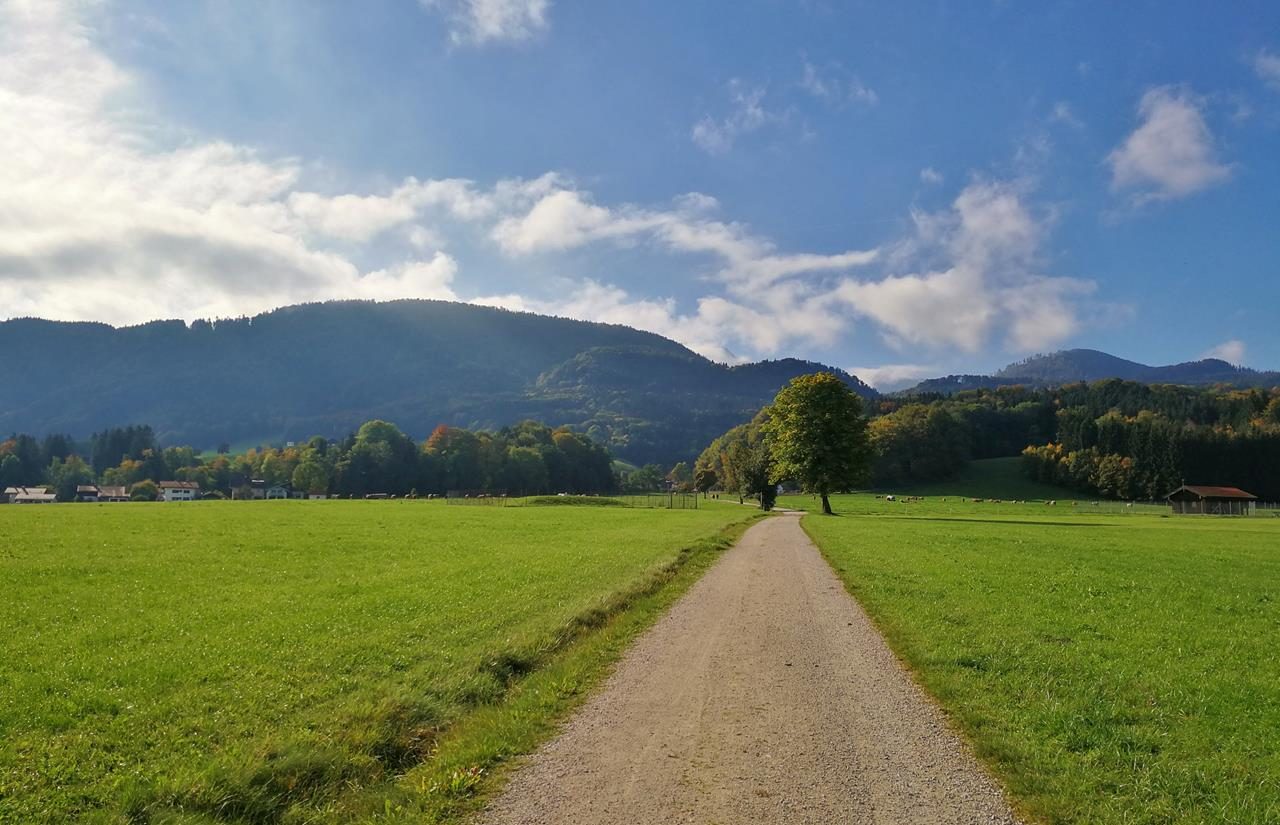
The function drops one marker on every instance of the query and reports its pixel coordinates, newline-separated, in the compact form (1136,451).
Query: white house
(179,490)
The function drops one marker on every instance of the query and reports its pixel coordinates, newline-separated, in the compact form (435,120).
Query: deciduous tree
(818,436)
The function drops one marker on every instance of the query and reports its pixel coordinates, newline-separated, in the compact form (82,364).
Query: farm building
(113,493)
(179,490)
(87,492)
(1211,501)
(29,495)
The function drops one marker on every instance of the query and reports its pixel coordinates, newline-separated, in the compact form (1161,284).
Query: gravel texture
(765,696)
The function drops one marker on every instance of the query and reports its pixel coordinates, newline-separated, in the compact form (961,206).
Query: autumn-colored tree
(146,490)
(817,436)
(681,477)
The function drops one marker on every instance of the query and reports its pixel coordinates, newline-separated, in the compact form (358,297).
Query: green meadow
(309,661)
(1110,668)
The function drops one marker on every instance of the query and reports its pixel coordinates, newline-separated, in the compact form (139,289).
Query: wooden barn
(1198,500)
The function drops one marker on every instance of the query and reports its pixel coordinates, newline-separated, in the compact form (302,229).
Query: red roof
(1214,492)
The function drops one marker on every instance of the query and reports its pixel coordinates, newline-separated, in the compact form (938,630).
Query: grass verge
(473,758)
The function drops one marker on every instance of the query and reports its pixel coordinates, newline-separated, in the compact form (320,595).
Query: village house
(87,492)
(1212,501)
(179,490)
(29,495)
(113,493)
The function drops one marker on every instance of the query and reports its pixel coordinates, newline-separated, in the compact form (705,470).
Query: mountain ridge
(324,368)
(1075,365)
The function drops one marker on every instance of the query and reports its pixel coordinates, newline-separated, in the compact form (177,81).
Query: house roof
(36,496)
(1201,491)
(112,492)
(20,491)
(86,488)
(179,485)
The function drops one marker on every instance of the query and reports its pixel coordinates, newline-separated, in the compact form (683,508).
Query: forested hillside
(323,369)
(1109,439)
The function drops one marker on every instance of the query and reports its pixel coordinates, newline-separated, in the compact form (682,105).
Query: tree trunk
(826,505)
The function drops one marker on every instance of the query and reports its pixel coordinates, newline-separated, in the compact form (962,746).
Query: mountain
(1073,365)
(1070,366)
(325,368)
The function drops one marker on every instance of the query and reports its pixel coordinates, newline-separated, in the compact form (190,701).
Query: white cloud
(1063,113)
(484,21)
(105,221)
(836,87)
(1171,153)
(1267,65)
(1232,352)
(568,218)
(980,274)
(890,377)
(413,279)
(717,136)
(931,176)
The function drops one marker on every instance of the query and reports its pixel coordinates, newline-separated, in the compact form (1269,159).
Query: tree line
(1112,438)
(527,458)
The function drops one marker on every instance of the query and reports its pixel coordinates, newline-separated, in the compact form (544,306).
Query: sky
(902,189)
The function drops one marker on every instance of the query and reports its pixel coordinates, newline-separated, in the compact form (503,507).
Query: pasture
(309,661)
(1000,478)
(1109,668)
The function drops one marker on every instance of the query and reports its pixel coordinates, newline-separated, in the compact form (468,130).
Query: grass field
(308,661)
(1111,669)
(990,478)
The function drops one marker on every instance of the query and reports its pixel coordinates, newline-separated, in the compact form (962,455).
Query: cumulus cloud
(1171,154)
(1267,65)
(1232,352)
(982,274)
(748,113)
(484,21)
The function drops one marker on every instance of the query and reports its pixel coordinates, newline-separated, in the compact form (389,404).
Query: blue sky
(907,189)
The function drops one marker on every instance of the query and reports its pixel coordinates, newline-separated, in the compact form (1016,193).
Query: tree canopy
(817,436)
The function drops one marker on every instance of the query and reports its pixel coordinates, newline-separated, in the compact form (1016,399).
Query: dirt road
(764,696)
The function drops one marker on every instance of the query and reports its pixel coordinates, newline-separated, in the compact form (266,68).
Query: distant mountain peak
(1075,365)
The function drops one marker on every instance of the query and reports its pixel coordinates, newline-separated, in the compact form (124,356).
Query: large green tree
(817,436)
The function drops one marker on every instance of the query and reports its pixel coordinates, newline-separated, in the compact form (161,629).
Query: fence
(504,498)
(661,501)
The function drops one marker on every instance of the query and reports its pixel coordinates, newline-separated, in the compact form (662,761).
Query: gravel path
(764,696)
